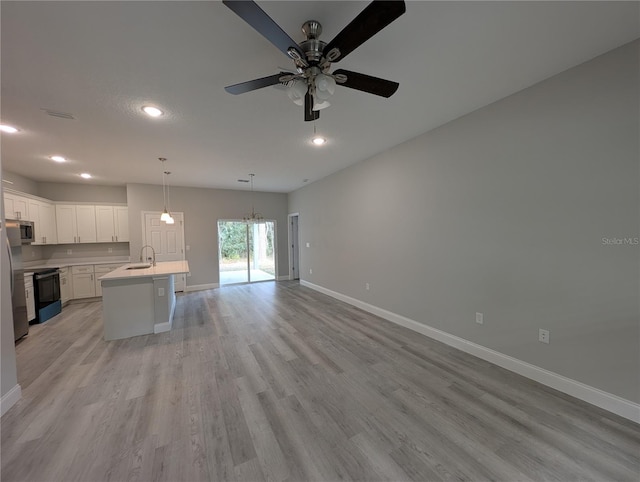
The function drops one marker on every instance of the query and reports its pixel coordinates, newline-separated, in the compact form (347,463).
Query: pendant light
(165,216)
(170,220)
(254,217)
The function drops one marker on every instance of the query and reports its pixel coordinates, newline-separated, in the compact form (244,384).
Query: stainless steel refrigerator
(18,297)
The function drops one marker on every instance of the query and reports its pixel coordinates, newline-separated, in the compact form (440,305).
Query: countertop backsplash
(73,254)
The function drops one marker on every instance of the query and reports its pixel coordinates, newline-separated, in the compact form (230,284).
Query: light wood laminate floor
(274,381)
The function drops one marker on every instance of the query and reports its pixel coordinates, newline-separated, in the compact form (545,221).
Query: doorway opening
(294,251)
(246,252)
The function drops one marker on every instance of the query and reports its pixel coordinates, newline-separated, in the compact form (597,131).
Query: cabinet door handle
(116,238)
(78,238)
(91,277)
(74,239)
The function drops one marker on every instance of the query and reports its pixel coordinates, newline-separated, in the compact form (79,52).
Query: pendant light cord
(168,194)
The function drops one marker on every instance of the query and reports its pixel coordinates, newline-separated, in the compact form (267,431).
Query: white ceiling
(101,61)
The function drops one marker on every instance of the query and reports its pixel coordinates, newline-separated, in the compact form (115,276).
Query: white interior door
(167,240)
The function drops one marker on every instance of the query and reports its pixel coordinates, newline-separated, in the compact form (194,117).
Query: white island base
(140,301)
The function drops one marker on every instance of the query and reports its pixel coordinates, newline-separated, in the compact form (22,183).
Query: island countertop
(160,269)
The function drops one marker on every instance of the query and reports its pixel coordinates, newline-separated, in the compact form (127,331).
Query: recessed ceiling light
(58,159)
(85,175)
(8,129)
(152,111)
(318,141)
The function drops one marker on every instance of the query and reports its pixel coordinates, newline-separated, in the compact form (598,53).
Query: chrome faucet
(153,260)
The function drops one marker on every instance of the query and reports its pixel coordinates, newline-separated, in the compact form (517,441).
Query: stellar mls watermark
(620,241)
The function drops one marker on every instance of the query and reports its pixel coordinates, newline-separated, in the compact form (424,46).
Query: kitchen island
(139,299)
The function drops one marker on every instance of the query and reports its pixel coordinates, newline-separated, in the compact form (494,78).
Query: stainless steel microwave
(26,230)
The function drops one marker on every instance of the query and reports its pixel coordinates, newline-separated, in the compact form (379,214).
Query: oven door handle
(47,275)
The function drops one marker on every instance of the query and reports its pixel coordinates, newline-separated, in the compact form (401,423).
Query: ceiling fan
(312,83)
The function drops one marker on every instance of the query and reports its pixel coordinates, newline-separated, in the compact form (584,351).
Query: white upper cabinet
(112,224)
(16,206)
(76,223)
(67,223)
(105,224)
(121,217)
(43,216)
(86,216)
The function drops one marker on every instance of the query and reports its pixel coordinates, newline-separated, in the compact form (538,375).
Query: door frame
(275,247)
(294,243)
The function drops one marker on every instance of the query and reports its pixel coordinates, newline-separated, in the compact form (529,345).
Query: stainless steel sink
(139,266)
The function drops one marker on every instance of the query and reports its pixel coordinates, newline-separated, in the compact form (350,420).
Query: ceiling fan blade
(254,84)
(251,13)
(367,83)
(309,113)
(376,16)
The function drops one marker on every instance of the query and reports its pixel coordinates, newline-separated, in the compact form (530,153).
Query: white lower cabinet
(65,285)
(31,302)
(100,270)
(83,282)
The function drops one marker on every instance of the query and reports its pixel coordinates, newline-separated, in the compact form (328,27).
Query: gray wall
(503,212)
(19,183)
(57,191)
(202,209)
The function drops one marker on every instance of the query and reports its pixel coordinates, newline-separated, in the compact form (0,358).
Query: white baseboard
(284,278)
(201,287)
(161,327)
(9,399)
(608,401)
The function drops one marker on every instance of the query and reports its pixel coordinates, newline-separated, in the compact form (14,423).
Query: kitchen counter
(139,301)
(160,269)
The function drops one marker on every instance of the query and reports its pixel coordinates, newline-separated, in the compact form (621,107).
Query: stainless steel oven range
(46,283)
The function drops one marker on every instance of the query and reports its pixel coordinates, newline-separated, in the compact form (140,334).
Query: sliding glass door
(246,252)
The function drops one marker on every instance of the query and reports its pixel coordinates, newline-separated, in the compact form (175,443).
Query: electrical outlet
(543,336)
(308,245)
(188,247)
(69,251)
(479,318)
(160,291)
(310,271)
(109,250)
(366,286)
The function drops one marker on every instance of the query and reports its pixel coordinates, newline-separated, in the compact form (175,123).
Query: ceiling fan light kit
(313,84)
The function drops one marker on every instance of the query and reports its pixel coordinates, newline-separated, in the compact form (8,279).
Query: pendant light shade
(297,90)
(325,86)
